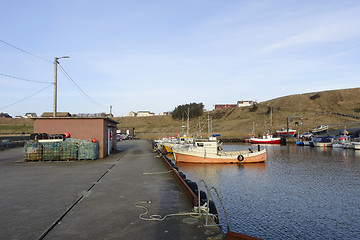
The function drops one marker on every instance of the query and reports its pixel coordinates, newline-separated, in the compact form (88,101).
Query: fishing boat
(356,145)
(348,145)
(180,142)
(168,144)
(320,129)
(323,141)
(265,139)
(207,151)
(164,143)
(337,144)
(283,132)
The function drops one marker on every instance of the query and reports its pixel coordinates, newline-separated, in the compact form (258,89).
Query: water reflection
(299,193)
(214,171)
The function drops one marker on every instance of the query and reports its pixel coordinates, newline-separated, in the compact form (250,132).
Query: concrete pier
(94,199)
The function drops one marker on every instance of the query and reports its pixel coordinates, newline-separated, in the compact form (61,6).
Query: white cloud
(334,27)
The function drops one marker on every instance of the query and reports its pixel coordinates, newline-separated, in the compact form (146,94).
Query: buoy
(67,135)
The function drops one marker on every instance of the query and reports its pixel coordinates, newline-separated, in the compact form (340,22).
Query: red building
(224,106)
(103,129)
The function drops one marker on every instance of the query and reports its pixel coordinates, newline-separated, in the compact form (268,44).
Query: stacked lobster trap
(43,147)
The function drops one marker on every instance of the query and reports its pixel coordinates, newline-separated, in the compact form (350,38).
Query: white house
(145,114)
(131,114)
(245,103)
(30,115)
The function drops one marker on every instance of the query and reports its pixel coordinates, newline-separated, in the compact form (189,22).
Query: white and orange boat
(207,151)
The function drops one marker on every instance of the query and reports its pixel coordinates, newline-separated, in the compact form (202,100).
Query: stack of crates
(70,149)
(88,150)
(51,151)
(33,151)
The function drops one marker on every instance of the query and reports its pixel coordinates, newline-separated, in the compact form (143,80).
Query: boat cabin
(207,146)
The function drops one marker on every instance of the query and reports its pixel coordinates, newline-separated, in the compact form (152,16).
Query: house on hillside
(145,114)
(224,106)
(58,114)
(131,114)
(245,103)
(4,115)
(164,113)
(30,115)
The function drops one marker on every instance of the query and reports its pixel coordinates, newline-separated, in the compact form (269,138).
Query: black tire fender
(240,158)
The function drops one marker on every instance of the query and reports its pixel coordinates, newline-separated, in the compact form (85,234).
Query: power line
(77,87)
(23,79)
(22,50)
(27,97)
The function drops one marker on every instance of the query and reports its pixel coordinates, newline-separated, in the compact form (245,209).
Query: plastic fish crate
(51,151)
(69,150)
(33,151)
(88,150)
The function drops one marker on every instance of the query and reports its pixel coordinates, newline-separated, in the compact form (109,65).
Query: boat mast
(208,120)
(265,128)
(271,119)
(253,130)
(199,128)
(187,126)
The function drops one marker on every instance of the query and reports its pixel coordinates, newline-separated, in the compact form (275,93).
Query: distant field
(16,126)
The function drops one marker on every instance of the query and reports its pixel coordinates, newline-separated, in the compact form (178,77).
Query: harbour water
(299,193)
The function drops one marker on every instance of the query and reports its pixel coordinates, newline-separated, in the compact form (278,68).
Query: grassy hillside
(330,101)
(315,108)
(16,125)
(239,122)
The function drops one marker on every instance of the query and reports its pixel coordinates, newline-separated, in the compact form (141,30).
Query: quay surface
(94,199)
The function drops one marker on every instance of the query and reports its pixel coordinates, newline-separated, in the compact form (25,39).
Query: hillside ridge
(315,108)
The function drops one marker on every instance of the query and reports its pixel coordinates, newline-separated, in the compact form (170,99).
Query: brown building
(103,129)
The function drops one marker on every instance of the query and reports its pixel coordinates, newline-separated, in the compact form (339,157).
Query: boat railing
(208,211)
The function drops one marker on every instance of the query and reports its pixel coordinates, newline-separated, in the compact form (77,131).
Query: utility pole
(55,86)
(55,83)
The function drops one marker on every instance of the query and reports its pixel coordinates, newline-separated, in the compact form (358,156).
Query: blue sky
(156,55)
